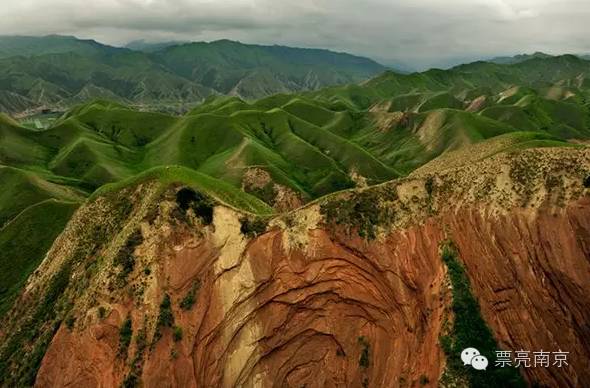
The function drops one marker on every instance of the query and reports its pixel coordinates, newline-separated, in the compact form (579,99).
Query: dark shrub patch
(165,318)
(267,193)
(125,258)
(364,358)
(184,197)
(429,185)
(70,322)
(252,227)
(177,333)
(130,381)
(424,380)
(587,182)
(201,204)
(125,333)
(189,300)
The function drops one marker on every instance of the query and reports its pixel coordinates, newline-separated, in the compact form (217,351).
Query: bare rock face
(267,315)
(309,303)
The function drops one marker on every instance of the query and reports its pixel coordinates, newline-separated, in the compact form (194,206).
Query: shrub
(201,204)
(361,211)
(70,322)
(132,378)
(177,333)
(252,228)
(424,380)
(267,193)
(130,381)
(125,334)
(587,182)
(125,257)
(189,300)
(429,185)
(102,312)
(364,358)
(166,318)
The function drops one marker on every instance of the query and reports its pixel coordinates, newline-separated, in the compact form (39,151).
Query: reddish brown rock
(280,317)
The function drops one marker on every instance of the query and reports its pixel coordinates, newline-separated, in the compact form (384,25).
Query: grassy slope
(215,188)
(25,241)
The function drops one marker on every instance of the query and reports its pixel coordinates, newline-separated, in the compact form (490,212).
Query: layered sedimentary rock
(309,302)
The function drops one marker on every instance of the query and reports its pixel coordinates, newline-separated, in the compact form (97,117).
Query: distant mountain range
(59,71)
(518,58)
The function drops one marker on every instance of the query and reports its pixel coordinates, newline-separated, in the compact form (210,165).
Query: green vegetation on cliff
(469,330)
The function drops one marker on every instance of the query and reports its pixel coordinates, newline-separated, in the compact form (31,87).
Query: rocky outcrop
(311,303)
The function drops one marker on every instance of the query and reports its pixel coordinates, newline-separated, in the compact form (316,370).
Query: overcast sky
(415,33)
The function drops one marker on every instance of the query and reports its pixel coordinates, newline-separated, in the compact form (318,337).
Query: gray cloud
(418,33)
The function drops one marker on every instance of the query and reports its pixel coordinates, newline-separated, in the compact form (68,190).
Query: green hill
(25,241)
(59,71)
(31,46)
(252,71)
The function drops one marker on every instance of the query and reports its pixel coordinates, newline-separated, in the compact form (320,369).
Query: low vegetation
(177,333)
(365,349)
(24,243)
(360,211)
(136,368)
(190,298)
(165,317)
(470,330)
(125,258)
(253,226)
(201,204)
(125,334)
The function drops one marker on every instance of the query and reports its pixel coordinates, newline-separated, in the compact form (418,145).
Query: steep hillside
(175,288)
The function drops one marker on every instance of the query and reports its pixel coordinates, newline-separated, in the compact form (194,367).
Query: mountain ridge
(179,75)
